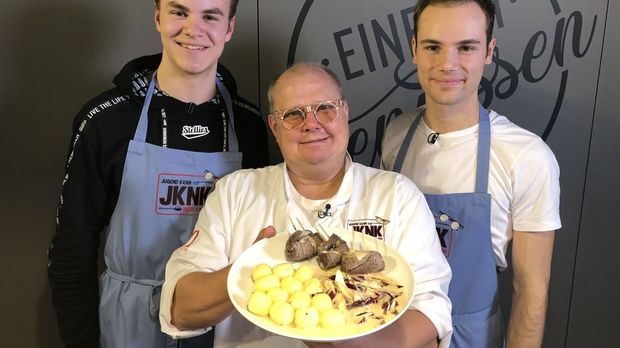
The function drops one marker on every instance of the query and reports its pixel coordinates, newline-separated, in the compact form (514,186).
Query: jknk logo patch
(371,227)
(181,194)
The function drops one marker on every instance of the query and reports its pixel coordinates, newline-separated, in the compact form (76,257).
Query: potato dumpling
(277,294)
(306,318)
(260,271)
(267,282)
(313,286)
(331,318)
(291,285)
(321,302)
(283,270)
(259,303)
(282,313)
(300,299)
(304,273)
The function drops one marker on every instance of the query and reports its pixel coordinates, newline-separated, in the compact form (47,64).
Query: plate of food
(327,285)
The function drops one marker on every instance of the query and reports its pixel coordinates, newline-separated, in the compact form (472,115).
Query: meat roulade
(362,262)
(330,252)
(302,244)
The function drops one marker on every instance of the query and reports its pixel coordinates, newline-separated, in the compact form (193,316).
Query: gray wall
(57,54)
(593,310)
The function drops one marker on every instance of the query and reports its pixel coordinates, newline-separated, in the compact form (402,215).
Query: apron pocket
(483,329)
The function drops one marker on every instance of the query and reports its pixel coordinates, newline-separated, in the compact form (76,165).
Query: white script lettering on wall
(540,43)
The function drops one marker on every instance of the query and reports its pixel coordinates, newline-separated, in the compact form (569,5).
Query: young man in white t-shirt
(487,180)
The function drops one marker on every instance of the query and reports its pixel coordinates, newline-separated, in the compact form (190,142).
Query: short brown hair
(487,7)
(233,7)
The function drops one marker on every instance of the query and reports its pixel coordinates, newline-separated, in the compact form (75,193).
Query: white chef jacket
(248,200)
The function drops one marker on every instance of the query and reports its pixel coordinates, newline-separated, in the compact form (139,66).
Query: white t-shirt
(523,173)
(248,200)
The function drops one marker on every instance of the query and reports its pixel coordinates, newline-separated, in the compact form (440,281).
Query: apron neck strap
(143,123)
(484,148)
(402,152)
(233,145)
(484,151)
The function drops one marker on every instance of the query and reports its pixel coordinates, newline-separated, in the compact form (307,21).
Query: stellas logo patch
(193,132)
(181,194)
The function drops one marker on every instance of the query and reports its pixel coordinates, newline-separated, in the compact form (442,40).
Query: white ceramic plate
(271,252)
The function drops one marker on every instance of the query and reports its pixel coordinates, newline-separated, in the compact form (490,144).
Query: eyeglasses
(324,113)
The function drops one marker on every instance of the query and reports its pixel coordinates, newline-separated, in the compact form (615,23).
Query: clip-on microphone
(324,213)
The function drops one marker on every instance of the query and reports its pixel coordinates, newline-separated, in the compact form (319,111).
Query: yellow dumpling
(283,270)
(260,271)
(306,318)
(300,299)
(313,286)
(282,313)
(304,273)
(259,303)
(322,302)
(331,318)
(267,282)
(291,285)
(277,294)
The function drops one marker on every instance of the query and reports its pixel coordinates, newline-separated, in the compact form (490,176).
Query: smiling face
(193,34)
(450,52)
(313,144)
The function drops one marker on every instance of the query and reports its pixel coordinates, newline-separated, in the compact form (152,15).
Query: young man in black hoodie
(143,157)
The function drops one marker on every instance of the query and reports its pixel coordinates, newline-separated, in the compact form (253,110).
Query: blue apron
(463,222)
(162,192)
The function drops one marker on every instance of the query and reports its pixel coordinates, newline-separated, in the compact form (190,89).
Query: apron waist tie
(485,314)
(155,290)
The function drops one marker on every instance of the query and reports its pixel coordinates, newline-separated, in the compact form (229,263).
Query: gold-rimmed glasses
(324,112)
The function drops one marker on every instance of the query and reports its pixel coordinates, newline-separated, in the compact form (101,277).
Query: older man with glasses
(309,120)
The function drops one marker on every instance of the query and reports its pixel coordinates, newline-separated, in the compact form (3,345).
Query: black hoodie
(101,134)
